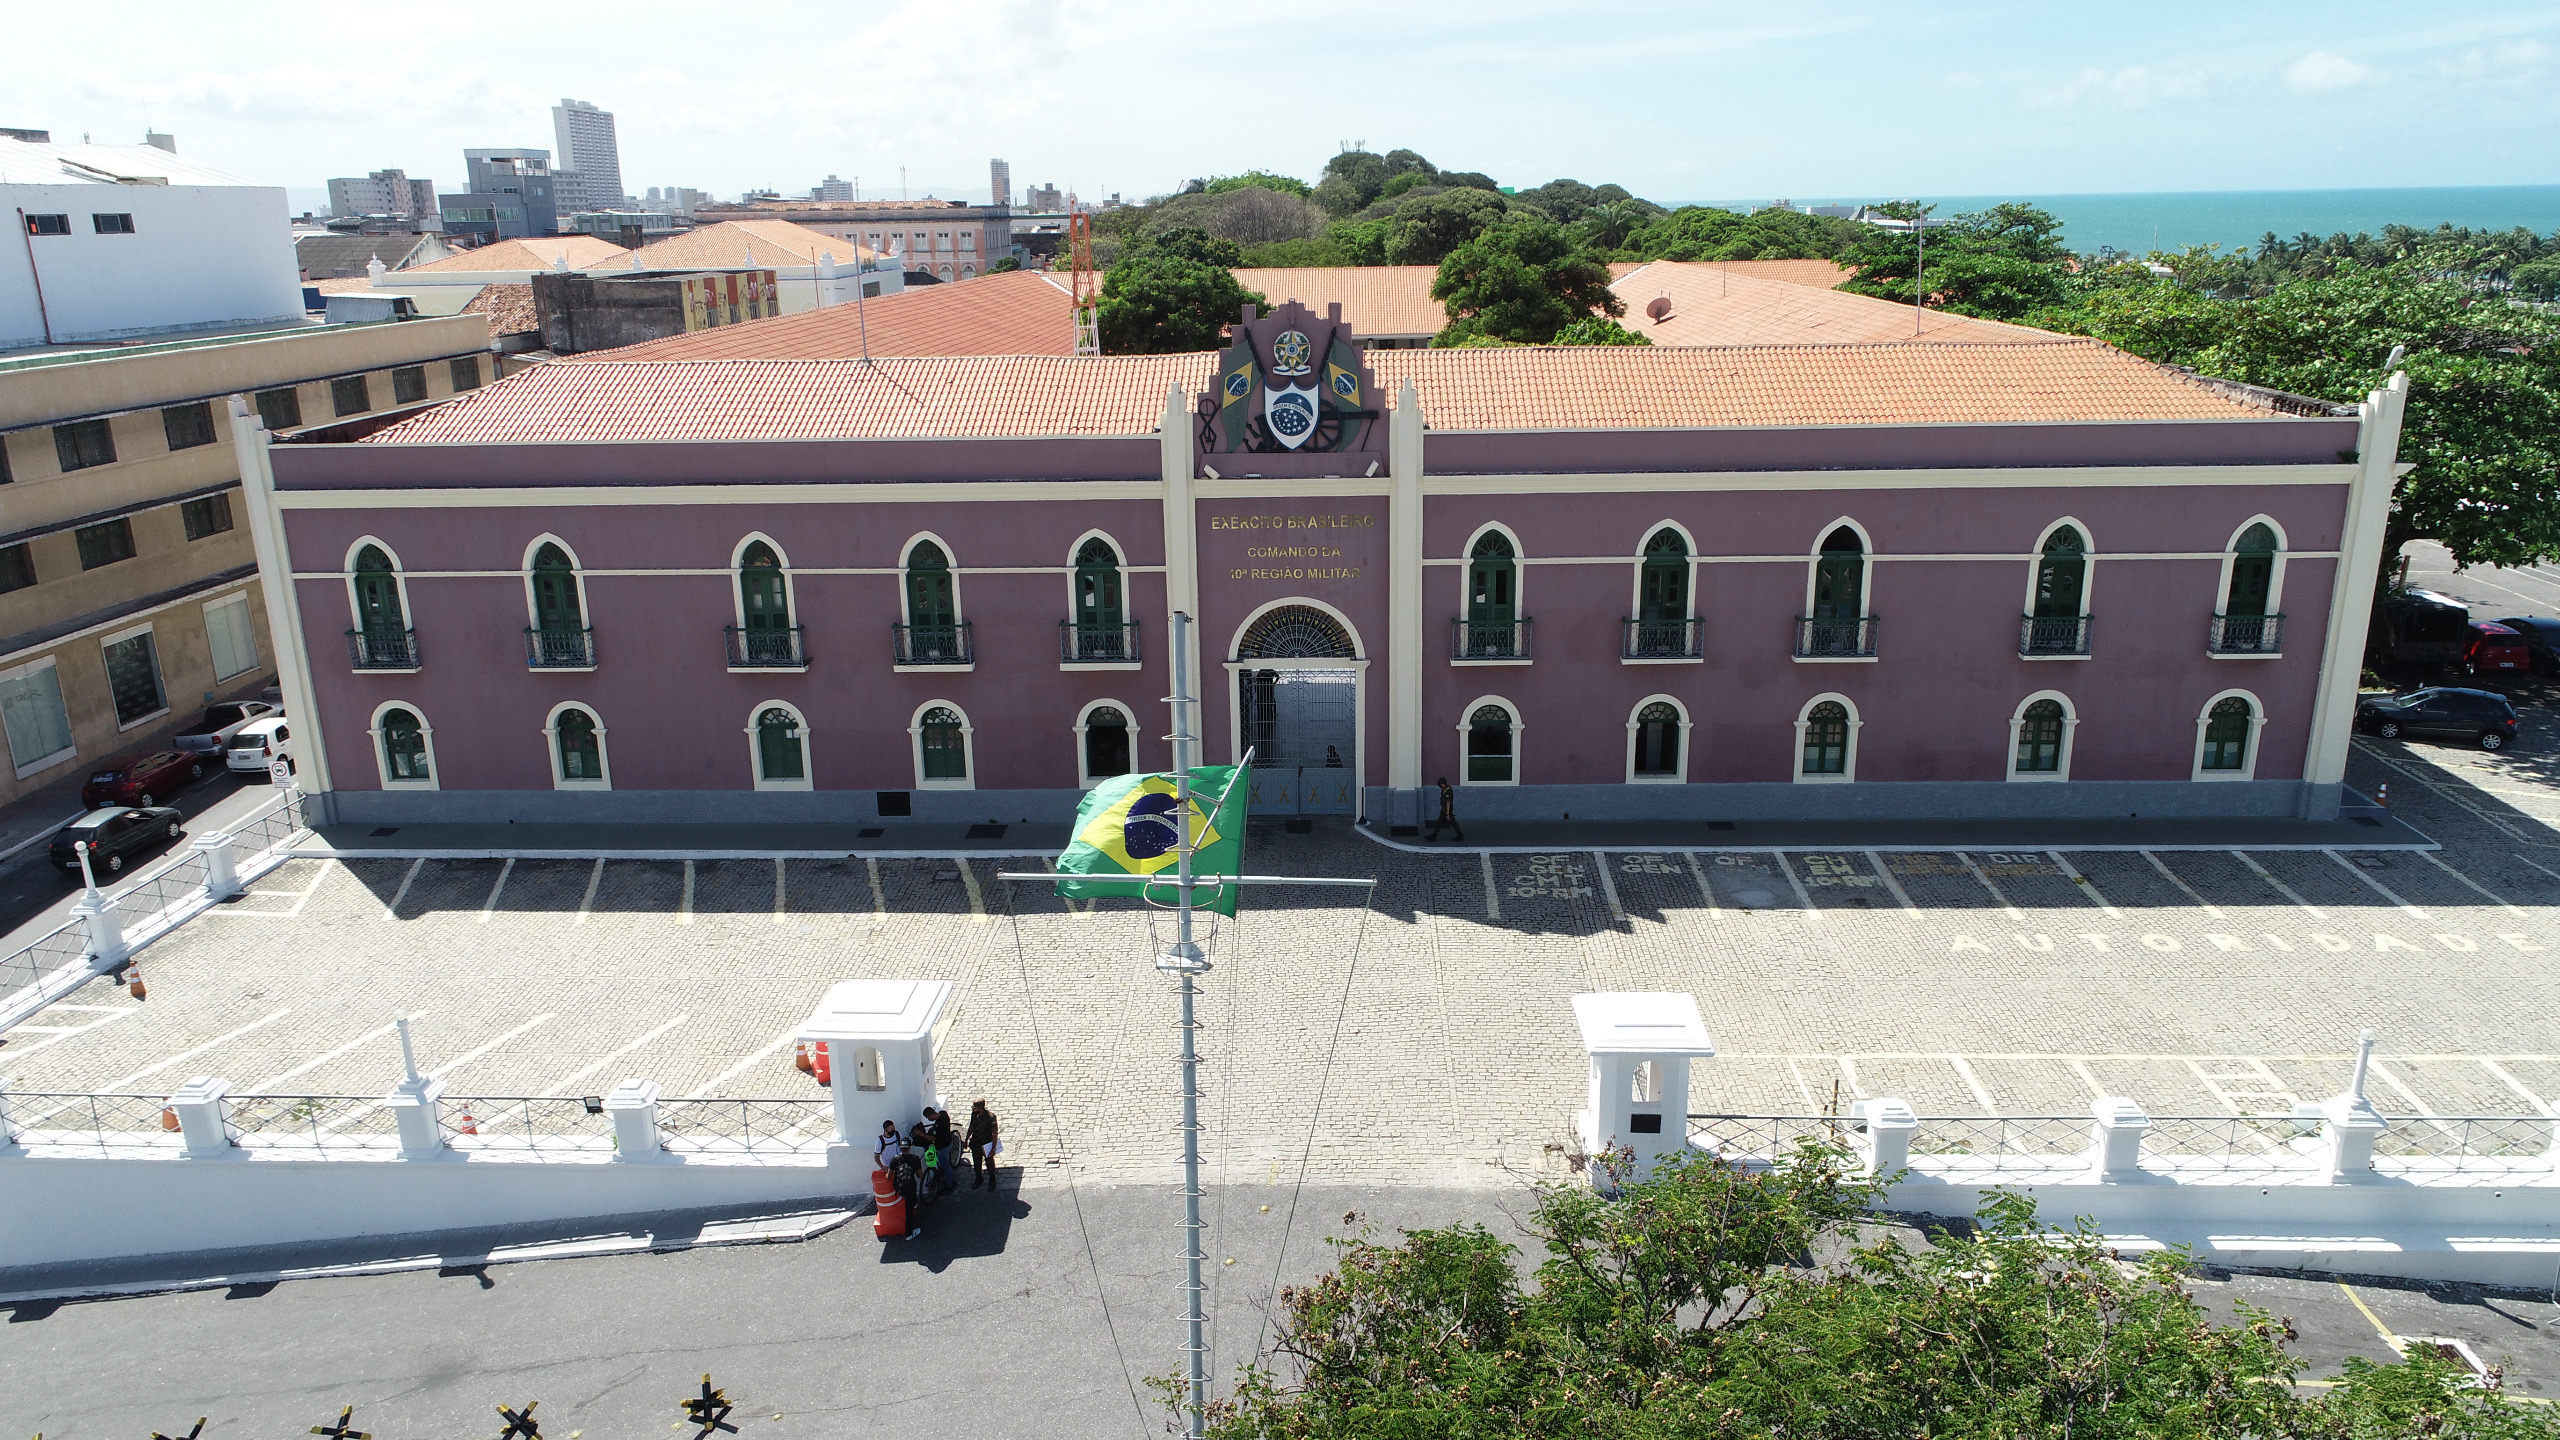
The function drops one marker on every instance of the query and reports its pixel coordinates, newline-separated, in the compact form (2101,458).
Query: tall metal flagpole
(1186,960)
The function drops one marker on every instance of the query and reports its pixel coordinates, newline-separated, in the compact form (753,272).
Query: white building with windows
(126,241)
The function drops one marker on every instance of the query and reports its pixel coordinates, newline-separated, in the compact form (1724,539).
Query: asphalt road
(33,894)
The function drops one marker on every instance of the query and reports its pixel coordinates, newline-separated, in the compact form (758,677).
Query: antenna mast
(1083,286)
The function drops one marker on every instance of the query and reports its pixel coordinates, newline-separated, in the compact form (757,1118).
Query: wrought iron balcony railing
(383,649)
(1083,642)
(2245,635)
(933,644)
(2041,635)
(1662,639)
(1489,639)
(767,649)
(1850,638)
(559,649)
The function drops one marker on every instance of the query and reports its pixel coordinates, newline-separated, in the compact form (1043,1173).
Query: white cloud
(2322,71)
(2132,87)
(2514,62)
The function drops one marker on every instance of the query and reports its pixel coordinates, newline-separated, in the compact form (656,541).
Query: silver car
(212,734)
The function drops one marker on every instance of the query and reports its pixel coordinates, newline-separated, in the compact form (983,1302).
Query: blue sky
(1675,101)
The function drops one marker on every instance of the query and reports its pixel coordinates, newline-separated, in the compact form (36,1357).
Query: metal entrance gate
(1304,728)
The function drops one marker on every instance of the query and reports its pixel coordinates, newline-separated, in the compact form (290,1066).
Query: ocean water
(2172,220)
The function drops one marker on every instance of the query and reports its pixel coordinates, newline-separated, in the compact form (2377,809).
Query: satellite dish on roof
(1658,308)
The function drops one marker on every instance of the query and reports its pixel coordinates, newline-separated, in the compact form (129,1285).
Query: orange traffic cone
(800,1057)
(819,1065)
(168,1117)
(468,1126)
(133,983)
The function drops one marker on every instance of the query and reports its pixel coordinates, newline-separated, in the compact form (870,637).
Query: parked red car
(2497,650)
(141,778)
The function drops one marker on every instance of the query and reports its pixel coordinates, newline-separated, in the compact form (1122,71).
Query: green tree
(1998,264)
(1189,242)
(1701,232)
(1521,280)
(1353,179)
(1258,179)
(1599,330)
(1425,230)
(1003,263)
(1159,302)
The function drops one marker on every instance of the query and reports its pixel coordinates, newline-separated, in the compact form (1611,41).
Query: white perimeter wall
(200,255)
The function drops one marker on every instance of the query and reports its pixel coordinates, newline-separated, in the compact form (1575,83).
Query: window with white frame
(1657,742)
(1105,743)
(941,734)
(779,740)
(1489,743)
(38,723)
(234,640)
(576,737)
(133,676)
(404,747)
(1827,741)
(2227,736)
(2040,737)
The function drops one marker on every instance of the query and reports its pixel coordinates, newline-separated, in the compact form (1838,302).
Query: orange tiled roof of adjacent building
(509,308)
(540,253)
(738,244)
(1014,312)
(2045,380)
(1721,304)
(1375,299)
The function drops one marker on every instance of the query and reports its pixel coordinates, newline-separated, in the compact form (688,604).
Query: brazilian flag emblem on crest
(1127,833)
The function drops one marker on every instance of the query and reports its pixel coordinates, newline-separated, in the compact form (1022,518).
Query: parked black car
(117,835)
(2481,716)
(2542,636)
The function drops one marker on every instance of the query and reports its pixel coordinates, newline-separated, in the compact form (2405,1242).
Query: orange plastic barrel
(821,1066)
(889,1208)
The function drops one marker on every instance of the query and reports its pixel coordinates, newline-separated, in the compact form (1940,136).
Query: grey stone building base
(696,807)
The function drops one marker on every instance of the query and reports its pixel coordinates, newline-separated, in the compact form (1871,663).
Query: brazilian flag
(1125,833)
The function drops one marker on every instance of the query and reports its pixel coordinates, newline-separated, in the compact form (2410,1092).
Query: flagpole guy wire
(1188,962)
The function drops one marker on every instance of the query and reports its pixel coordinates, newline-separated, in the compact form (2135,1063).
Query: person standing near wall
(1448,814)
(982,1145)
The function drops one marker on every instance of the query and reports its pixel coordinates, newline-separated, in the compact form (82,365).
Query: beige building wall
(64,622)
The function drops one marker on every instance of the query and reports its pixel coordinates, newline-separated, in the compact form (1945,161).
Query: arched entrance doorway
(1298,709)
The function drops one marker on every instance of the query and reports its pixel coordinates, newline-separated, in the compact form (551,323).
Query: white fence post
(633,1104)
(413,1107)
(204,1116)
(107,953)
(221,867)
(1888,1123)
(2349,1124)
(2116,1132)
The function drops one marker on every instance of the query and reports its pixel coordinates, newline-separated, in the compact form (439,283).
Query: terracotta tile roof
(732,244)
(1016,312)
(581,251)
(2047,380)
(510,309)
(1715,304)
(1822,274)
(1375,299)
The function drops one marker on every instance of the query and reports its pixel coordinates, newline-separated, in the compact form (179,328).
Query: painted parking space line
(2377,886)
(743,1066)
(2089,1078)
(238,910)
(2382,1072)
(316,1062)
(2482,890)
(1492,896)
(2281,888)
(561,1087)
(2414,778)
(2518,1086)
(56,1034)
(977,897)
(1707,892)
(2086,888)
(684,906)
(1974,1083)
(587,902)
(879,897)
(2012,911)
(2545,869)
(393,909)
(1892,885)
(183,1056)
(1608,887)
(781,907)
(2265,1086)
(496,888)
(2188,890)
(1802,898)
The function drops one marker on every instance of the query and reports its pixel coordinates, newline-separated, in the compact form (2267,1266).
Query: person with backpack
(983,1145)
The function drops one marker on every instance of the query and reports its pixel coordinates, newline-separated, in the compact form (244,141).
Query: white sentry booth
(879,1038)
(1640,1045)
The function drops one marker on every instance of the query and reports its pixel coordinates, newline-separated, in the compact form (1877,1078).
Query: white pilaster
(1404,594)
(633,1107)
(2333,709)
(286,638)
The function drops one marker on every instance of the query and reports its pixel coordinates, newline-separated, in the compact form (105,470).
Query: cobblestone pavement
(1433,1025)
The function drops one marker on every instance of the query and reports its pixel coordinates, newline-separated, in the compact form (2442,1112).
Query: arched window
(942,748)
(1836,625)
(1657,731)
(1827,741)
(2248,623)
(382,639)
(782,749)
(1662,629)
(577,749)
(2226,739)
(1491,629)
(407,752)
(1106,743)
(1492,746)
(1099,623)
(2061,574)
(933,634)
(2040,731)
(766,637)
(559,638)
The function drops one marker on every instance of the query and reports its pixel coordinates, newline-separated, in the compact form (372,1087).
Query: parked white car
(212,734)
(260,742)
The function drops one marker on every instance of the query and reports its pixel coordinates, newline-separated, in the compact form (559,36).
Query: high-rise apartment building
(587,146)
(832,189)
(1047,199)
(512,196)
(999,183)
(383,192)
